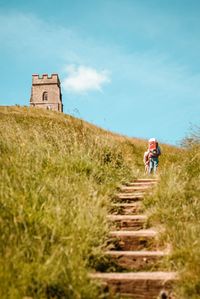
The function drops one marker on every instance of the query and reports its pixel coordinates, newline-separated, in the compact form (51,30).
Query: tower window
(45,96)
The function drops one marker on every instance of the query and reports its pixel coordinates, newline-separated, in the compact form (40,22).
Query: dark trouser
(153,164)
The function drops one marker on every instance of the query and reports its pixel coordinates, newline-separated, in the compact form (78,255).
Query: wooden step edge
(150,276)
(147,233)
(127,217)
(154,182)
(140,183)
(127,204)
(145,187)
(131,195)
(134,190)
(146,180)
(138,253)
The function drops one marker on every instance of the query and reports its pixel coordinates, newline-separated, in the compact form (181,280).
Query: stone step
(141,285)
(136,260)
(133,240)
(129,197)
(128,222)
(126,208)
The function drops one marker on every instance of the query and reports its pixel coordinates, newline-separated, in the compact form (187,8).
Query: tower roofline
(45,79)
(45,75)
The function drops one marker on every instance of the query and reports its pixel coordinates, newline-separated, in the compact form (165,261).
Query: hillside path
(134,250)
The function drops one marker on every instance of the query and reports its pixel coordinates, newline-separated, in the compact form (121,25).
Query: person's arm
(146,157)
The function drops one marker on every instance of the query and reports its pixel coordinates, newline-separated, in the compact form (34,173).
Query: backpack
(153,149)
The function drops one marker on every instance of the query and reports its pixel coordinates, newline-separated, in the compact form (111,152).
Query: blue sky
(130,66)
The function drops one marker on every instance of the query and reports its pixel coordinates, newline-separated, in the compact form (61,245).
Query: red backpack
(153,148)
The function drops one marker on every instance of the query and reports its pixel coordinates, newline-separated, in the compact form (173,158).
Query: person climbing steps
(151,156)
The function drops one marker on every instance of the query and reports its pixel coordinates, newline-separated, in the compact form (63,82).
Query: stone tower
(46,92)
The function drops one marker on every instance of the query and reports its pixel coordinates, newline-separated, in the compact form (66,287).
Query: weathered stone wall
(50,86)
(47,106)
(45,79)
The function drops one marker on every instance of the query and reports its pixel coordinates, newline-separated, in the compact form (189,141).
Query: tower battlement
(46,92)
(45,79)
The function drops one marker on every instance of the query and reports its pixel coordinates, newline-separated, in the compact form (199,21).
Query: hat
(152,140)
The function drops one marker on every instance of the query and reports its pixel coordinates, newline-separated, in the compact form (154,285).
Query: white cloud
(81,79)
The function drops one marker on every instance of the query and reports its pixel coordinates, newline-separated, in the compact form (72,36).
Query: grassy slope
(57,175)
(176,205)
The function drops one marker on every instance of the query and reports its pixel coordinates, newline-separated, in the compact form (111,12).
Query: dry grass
(176,206)
(57,175)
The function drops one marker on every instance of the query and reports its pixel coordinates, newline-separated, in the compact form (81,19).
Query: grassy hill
(175,205)
(58,174)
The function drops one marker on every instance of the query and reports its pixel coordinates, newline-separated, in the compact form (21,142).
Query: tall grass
(56,177)
(176,206)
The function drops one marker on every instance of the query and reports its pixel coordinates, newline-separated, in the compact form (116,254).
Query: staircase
(134,248)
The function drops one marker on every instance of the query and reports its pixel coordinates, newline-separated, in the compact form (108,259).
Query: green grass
(176,206)
(57,175)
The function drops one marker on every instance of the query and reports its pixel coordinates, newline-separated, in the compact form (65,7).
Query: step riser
(135,224)
(133,210)
(126,210)
(145,181)
(129,198)
(139,289)
(150,184)
(134,189)
(139,263)
(127,243)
